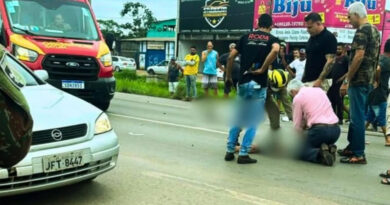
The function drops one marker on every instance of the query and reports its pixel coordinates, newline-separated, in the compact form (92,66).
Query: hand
(317,83)
(376,84)
(257,72)
(343,89)
(228,80)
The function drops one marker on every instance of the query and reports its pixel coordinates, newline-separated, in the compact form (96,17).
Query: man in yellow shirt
(190,71)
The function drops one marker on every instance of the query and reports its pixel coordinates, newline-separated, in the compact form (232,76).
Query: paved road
(172,153)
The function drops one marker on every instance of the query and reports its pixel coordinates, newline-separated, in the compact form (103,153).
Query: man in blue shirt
(210,59)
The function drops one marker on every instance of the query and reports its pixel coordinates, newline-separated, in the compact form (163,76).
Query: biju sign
(291,13)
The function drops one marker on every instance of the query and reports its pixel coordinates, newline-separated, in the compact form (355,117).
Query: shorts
(173,86)
(377,114)
(209,81)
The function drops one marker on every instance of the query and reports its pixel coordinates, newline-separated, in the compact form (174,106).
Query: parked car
(120,63)
(72,140)
(161,68)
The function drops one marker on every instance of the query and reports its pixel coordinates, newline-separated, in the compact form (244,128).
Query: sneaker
(326,157)
(285,119)
(229,156)
(245,160)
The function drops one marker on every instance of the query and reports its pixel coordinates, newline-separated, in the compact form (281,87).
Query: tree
(111,27)
(142,19)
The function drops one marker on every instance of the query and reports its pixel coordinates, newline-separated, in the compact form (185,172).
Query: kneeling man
(312,112)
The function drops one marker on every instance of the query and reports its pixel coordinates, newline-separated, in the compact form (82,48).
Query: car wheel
(151,72)
(103,106)
(117,69)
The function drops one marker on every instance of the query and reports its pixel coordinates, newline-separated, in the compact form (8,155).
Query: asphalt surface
(172,153)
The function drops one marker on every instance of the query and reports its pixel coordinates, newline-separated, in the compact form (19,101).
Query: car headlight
(102,124)
(106,60)
(25,54)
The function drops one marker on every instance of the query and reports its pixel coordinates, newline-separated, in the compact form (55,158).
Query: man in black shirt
(320,51)
(340,68)
(258,50)
(235,72)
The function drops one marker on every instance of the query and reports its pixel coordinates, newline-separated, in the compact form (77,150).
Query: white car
(120,63)
(161,68)
(72,140)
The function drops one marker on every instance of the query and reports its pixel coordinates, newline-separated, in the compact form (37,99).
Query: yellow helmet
(277,78)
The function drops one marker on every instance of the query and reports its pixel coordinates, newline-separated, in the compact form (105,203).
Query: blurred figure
(258,50)
(340,68)
(377,99)
(173,75)
(313,112)
(298,65)
(235,71)
(59,23)
(296,53)
(190,72)
(210,58)
(359,80)
(15,120)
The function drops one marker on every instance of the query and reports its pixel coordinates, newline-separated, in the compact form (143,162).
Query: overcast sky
(110,9)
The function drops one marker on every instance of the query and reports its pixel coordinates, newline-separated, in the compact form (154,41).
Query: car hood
(52,108)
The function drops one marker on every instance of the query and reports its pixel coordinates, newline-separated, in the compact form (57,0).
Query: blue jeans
(356,133)
(315,137)
(191,86)
(377,114)
(248,114)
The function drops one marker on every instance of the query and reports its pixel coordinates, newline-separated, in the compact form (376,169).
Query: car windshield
(18,71)
(60,18)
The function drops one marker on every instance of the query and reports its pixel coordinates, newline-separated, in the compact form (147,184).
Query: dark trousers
(336,100)
(317,135)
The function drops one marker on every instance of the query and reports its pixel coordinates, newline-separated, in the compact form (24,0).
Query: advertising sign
(216,16)
(290,13)
(338,17)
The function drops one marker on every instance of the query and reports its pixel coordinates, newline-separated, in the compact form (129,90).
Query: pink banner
(338,17)
(386,29)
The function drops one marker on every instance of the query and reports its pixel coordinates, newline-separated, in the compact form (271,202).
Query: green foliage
(142,19)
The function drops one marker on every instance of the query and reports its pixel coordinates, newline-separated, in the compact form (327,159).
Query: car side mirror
(42,74)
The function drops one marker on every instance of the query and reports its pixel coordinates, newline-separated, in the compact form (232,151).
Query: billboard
(215,16)
(291,13)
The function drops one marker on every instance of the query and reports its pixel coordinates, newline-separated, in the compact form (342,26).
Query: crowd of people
(317,77)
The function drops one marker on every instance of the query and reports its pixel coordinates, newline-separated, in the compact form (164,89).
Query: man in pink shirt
(312,112)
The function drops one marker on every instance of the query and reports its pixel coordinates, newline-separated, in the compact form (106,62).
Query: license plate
(60,162)
(73,84)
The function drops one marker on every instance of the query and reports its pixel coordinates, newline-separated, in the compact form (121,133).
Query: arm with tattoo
(330,61)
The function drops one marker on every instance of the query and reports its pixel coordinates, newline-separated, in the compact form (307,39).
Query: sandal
(386,181)
(354,160)
(385,174)
(345,153)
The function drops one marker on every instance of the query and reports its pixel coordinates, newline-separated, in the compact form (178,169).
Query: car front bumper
(101,154)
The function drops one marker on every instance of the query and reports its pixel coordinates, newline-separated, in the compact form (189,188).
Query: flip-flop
(385,174)
(386,181)
(387,145)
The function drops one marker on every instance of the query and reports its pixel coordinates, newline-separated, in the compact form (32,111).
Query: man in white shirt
(298,65)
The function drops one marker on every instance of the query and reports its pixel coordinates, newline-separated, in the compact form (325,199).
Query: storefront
(220,21)
(224,21)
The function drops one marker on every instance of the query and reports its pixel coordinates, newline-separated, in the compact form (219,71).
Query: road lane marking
(134,134)
(233,194)
(154,103)
(169,124)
